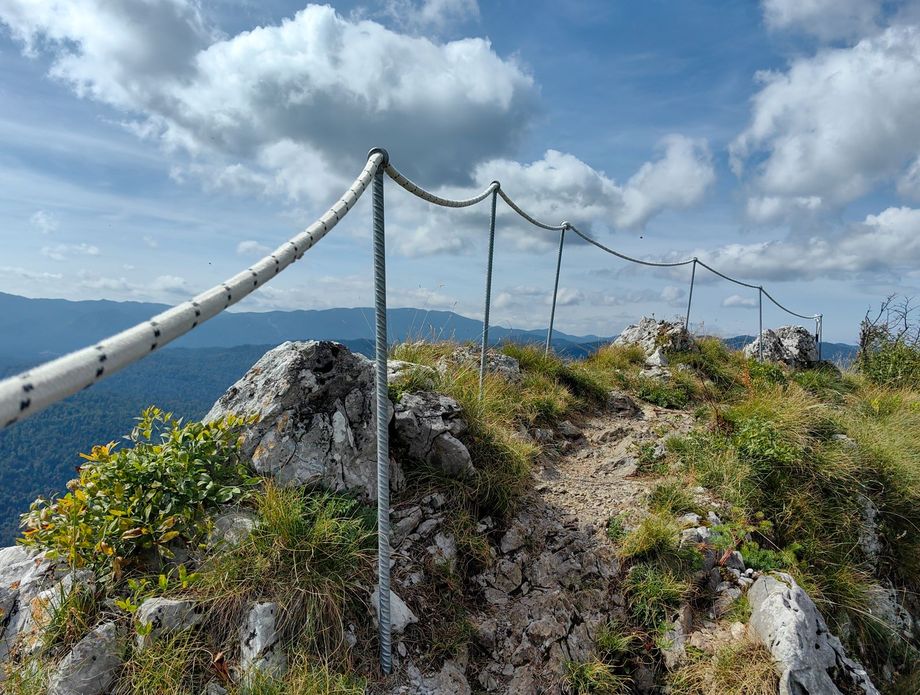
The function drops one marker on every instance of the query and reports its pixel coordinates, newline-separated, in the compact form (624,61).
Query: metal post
(383,412)
(552,313)
(485,318)
(690,300)
(760,311)
(819,331)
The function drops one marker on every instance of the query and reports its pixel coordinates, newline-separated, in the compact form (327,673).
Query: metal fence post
(485,318)
(383,421)
(760,312)
(819,331)
(690,300)
(552,313)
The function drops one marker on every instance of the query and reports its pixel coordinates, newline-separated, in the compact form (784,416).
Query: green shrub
(653,593)
(662,393)
(891,362)
(656,535)
(147,496)
(616,528)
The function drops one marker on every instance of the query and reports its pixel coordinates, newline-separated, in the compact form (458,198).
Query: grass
(671,497)
(742,668)
(310,553)
(594,677)
(305,676)
(616,643)
(653,593)
(174,665)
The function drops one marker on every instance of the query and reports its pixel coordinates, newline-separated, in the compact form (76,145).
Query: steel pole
(485,317)
(383,424)
(690,300)
(760,312)
(552,313)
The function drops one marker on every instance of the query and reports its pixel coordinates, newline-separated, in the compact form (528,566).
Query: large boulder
(317,417)
(656,338)
(24,576)
(470,357)
(91,666)
(791,345)
(427,426)
(809,659)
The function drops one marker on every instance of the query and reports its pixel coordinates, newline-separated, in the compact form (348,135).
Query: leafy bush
(889,344)
(663,394)
(147,496)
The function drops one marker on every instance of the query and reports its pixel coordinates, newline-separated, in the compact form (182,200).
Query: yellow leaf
(168,536)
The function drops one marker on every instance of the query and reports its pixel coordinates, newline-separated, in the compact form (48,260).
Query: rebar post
(819,332)
(760,312)
(485,317)
(552,313)
(383,412)
(690,300)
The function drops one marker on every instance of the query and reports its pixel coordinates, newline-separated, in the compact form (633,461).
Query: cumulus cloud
(317,84)
(825,19)
(431,15)
(63,252)
(885,243)
(44,221)
(834,125)
(737,301)
(252,248)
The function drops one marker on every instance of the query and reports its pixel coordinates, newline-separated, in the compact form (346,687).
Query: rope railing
(30,392)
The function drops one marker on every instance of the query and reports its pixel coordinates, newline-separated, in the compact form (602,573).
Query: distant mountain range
(39,455)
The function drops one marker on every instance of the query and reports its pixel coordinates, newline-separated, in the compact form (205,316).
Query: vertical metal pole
(485,317)
(552,313)
(690,300)
(383,422)
(760,312)
(819,330)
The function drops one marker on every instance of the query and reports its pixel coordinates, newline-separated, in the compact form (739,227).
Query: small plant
(671,497)
(663,394)
(594,677)
(744,668)
(655,536)
(649,460)
(615,643)
(305,677)
(653,593)
(616,527)
(150,495)
(71,613)
(739,611)
(174,664)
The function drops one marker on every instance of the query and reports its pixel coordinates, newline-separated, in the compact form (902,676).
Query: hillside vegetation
(819,473)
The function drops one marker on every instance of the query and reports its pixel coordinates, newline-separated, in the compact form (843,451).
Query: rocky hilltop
(665,516)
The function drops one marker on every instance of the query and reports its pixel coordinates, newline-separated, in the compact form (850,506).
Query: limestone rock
(91,666)
(166,617)
(656,338)
(496,362)
(622,404)
(317,412)
(809,659)
(260,642)
(427,426)
(791,345)
(232,527)
(400,370)
(401,616)
(24,575)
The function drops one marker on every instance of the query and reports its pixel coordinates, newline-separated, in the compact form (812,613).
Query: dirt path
(597,476)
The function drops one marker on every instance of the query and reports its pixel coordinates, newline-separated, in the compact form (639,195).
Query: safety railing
(28,393)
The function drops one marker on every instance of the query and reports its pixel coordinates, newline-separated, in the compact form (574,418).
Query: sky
(151,149)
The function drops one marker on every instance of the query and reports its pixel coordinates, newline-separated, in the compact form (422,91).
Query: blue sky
(150,149)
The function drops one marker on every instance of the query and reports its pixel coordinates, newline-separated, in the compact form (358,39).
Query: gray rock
(450,680)
(622,404)
(232,527)
(674,648)
(40,610)
(885,603)
(398,370)
(791,345)
(496,362)
(24,574)
(735,561)
(568,430)
(656,338)
(91,666)
(166,617)
(401,616)
(427,426)
(317,417)
(688,519)
(260,642)
(870,541)
(215,688)
(809,659)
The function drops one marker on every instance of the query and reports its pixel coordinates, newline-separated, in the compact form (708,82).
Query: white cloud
(431,15)
(44,221)
(317,84)
(159,287)
(150,242)
(63,252)
(672,294)
(737,301)
(833,126)
(887,243)
(16,271)
(252,248)
(826,19)
(169,284)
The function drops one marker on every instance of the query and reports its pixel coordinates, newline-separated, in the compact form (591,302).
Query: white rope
(417,190)
(28,393)
(535,223)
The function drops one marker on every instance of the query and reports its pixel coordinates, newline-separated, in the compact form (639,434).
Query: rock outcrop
(91,666)
(427,425)
(791,345)
(656,338)
(809,659)
(496,362)
(317,413)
